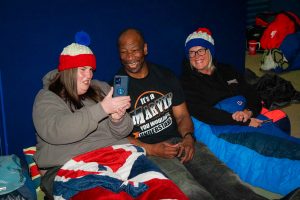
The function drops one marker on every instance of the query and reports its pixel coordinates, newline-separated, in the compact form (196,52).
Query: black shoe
(296,98)
(279,58)
(294,195)
(278,105)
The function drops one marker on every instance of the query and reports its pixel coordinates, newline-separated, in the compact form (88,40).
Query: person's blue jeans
(178,173)
(205,177)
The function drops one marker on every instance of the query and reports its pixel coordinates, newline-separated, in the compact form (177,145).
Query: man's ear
(145,49)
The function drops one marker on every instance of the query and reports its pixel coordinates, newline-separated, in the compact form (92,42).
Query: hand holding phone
(120,85)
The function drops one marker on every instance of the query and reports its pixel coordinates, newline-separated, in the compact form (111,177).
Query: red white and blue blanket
(114,172)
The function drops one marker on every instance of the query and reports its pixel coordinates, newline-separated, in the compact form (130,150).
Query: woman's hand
(115,105)
(255,122)
(117,116)
(242,116)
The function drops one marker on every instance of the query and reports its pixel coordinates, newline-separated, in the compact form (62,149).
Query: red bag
(285,23)
(265,18)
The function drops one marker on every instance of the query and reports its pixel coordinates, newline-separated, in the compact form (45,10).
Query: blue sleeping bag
(265,157)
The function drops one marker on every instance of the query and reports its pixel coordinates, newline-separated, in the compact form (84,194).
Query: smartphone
(120,85)
(267,120)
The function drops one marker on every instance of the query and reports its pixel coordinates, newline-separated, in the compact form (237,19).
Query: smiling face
(84,77)
(200,59)
(132,50)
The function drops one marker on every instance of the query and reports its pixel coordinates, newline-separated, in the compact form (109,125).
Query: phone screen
(120,85)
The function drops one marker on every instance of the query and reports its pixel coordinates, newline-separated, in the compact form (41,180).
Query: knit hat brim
(81,60)
(199,42)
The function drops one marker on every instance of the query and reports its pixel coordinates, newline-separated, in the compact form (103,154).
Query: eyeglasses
(199,52)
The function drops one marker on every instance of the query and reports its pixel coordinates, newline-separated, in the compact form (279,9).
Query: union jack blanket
(114,172)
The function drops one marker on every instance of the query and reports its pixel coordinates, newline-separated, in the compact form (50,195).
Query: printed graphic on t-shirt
(151,113)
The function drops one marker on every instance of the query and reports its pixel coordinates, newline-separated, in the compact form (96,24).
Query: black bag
(276,92)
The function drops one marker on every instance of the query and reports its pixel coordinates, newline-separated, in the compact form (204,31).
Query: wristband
(191,134)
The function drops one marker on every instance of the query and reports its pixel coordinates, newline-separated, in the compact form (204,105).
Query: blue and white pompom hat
(201,37)
(77,54)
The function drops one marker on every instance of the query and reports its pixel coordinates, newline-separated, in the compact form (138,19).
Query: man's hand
(185,125)
(187,149)
(163,149)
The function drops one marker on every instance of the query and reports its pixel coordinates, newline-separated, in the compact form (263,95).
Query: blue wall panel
(33,33)
(3,132)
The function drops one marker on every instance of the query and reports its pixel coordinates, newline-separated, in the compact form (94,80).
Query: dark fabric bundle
(275,91)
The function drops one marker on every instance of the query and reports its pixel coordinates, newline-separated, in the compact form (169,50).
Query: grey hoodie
(61,134)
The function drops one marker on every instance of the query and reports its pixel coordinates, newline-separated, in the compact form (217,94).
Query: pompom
(82,38)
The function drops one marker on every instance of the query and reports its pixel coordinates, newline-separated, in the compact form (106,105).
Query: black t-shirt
(152,99)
